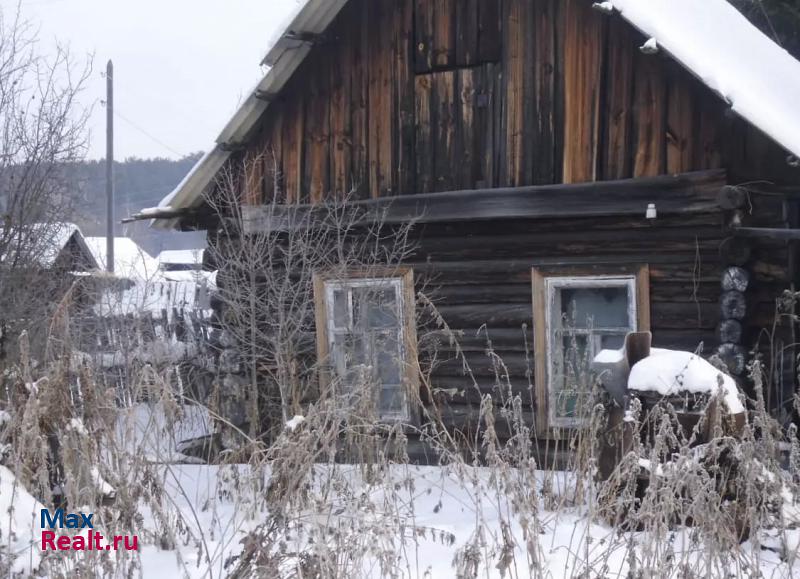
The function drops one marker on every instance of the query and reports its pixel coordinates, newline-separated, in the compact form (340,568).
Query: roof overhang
(287,53)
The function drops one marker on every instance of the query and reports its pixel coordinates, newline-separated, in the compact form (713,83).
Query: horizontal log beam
(767,233)
(673,195)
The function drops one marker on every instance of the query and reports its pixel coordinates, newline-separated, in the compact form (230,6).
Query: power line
(146,133)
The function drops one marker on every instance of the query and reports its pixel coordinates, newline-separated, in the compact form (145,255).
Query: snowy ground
(442,516)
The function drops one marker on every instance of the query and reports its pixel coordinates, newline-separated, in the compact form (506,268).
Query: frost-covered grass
(411,522)
(292,512)
(713,502)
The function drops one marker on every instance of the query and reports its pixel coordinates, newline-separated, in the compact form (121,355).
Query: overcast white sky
(181,66)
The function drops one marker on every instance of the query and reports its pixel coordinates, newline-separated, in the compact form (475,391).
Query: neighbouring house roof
(172,257)
(130,260)
(712,39)
(48,241)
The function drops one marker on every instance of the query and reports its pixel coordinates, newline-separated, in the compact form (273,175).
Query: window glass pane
(387,352)
(612,342)
(341,317)
(577,354)
(571,404)
(376,307)
(571,383)
(349,351)
(392,401)
(602,307)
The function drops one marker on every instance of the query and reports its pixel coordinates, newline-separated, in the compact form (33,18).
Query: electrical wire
(146,133)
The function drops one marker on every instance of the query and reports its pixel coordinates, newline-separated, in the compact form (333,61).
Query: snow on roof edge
(312,17)
(732,57)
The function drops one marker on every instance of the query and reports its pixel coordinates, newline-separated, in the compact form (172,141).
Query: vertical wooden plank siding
(544,76)
(444,38)
(380,97)
(293,148)
(403,153)
(465,151)
(488,119)
(317,134)
(708,124)
(275,185)
(423,35)
(466,32)
(649,116)
(489,31)
(253,178)
(375,105)
(572,99)
(453,141)
(341,146)
(423,146)
(582,62)
(517,34)
(617,162)
(452,34)
(679,121)
(270,148)
(444,130)
(359,96)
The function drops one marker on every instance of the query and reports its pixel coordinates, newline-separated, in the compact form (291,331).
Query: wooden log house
(547,160)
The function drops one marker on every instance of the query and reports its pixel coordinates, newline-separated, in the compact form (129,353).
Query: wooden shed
(557,157)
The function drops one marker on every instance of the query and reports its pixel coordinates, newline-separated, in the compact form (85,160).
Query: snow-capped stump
(670,372)
(693,386)
(654,377)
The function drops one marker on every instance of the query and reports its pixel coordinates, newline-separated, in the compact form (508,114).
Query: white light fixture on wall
(651,212)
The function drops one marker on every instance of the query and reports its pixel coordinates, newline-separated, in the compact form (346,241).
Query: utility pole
(110,167)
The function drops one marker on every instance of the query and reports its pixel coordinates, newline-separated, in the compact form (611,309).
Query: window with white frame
(366,341)
(577,316)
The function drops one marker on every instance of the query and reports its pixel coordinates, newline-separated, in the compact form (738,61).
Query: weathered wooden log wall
(404,97)
(413,96)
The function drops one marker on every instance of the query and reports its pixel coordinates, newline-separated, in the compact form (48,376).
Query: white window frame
(546,282)
(402,284)
(553,287)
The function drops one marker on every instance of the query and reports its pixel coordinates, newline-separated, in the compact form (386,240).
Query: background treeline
(139,183)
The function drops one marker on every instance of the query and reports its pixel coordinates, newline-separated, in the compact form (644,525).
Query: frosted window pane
(387,352)
(376,307)
(341,318)
(392,401)
(612,342)
(595,307)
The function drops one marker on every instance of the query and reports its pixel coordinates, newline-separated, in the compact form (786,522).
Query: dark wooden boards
(583,41)
(453,34)
(683,194)
(405,97)
(453,137)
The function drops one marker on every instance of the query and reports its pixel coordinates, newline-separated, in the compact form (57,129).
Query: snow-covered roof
(181,257)
(710,38)
(130,260)
(288,51)
(61,234)
(157,296)
(43,243)
(153,290)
